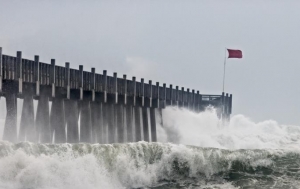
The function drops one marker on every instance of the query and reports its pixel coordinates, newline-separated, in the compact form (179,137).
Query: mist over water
(195,150)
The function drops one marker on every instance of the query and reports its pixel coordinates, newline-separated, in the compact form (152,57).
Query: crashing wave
(203,153)
(142,164)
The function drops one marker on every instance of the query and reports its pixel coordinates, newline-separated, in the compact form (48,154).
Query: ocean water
(195,150)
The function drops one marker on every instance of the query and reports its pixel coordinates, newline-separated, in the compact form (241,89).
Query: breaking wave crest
(142,164)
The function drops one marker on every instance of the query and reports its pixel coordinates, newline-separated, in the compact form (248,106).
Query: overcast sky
(177,42)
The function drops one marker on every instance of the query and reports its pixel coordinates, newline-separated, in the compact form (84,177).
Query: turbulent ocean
(195,150)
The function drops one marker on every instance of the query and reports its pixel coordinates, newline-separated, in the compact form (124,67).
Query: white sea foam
(20,170)
(134,165)
(206,130)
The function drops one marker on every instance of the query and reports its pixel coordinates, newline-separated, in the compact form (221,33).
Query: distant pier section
(80,106)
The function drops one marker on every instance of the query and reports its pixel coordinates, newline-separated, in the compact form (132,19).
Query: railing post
(116,87)
(104,86)
(150,91)
(157,96)
(93,83)
(1,70)
(164,95)
(188,98)
(125,89)
(20,71)
(182,97)
(171,95)
(81,81)
(142,91)
(67,79)
(193,100)
(177,96)
(198,101)
(37,75)
(52,77)
(134,90)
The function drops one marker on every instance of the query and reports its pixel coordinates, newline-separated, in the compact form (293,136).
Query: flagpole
(224,70)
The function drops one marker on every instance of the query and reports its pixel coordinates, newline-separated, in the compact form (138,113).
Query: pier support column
(145,124)
(57,120)
(71,114)
(10,127)
(137,117)
(129,123)
(27,128)
(120,122)
(153,125)
(160,116)
(96,122)
(102,127)
(105,109)
(85,122)
(111,123)
(42,121)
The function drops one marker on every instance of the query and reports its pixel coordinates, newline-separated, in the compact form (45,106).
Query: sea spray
(205,129)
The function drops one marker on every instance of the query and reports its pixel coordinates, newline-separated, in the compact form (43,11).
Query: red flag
(234,53)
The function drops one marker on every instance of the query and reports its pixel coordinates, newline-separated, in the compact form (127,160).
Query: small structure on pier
(110,109)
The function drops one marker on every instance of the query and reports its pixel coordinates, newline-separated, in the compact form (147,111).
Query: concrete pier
(87,106)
